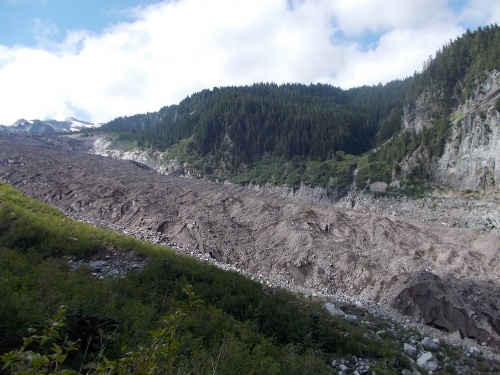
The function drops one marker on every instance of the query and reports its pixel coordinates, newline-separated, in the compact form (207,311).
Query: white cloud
(175,48)
(393,58)
(358,16)
(480,13)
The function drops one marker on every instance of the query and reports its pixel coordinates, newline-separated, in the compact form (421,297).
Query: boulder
(410,350)
(334,310)
(428,362)
(351,318)
(429,344)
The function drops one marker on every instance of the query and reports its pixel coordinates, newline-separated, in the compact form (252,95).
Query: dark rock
(430,300)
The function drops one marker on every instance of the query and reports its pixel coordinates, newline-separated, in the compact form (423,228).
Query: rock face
(379,258)
(434,302)
(418,114)
(471,156)
(104,146)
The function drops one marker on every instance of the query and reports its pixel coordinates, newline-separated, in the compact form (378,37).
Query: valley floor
(438,254)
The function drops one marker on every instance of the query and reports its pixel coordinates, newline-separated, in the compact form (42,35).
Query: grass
(276,327)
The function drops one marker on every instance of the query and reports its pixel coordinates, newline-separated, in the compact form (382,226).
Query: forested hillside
(452,75)
(317,134)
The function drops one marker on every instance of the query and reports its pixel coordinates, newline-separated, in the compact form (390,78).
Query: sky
(100,59)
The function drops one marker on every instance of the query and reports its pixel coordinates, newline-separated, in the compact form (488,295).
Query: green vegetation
(335,173)
(149,318)
(234,132)
(293,133)
(454,72)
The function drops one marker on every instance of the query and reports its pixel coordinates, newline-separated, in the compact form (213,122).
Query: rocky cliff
(471,159)
(471,156)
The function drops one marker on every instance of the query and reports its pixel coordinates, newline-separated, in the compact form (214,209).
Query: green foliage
(146,322)
(50,352)
(370,170)
(231,129)
(41,353)
(334,173)
(159,355)
(453,73)
(390,125)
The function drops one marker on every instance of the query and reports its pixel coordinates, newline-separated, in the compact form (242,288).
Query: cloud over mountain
(171,49)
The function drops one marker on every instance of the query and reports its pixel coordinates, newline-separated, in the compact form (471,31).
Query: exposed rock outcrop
(418,114)
(471,157)
(436,302)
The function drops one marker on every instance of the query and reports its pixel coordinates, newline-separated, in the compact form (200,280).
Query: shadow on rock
(450,304)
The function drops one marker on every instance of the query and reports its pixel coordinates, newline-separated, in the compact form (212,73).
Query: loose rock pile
(110,263)
(354,254)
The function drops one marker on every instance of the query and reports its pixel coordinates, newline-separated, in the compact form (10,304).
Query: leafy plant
(43,352)
(47,352)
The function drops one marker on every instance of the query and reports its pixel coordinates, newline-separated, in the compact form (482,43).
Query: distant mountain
(48,126)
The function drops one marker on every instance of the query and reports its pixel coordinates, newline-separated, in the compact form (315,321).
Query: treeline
(240,328)
(287,133)
(242,124)
(453,74)
(139,122)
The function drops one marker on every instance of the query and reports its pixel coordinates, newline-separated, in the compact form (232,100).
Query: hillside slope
(436,128)
(384,259)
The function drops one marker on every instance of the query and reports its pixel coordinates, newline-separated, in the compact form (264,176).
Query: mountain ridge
(70,124)
(319,135)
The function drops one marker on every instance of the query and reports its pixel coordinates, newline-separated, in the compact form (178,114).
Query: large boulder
(428,362)
(445,304)
(429,344)
(410,350)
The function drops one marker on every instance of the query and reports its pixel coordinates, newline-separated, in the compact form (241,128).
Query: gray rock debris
(337,311)
(113,264)
(410,350)
(334,310)
(429,344)
(428,362)
(368,256)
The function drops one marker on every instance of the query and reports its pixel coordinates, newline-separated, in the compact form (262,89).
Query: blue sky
(24,20)
(99,59)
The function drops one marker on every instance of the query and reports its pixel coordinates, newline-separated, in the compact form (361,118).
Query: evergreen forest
(315,134)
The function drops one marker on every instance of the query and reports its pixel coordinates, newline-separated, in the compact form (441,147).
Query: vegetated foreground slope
(240,326)
(447,277)
(140,321)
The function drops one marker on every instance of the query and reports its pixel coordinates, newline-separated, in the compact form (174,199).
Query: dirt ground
(437,260)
